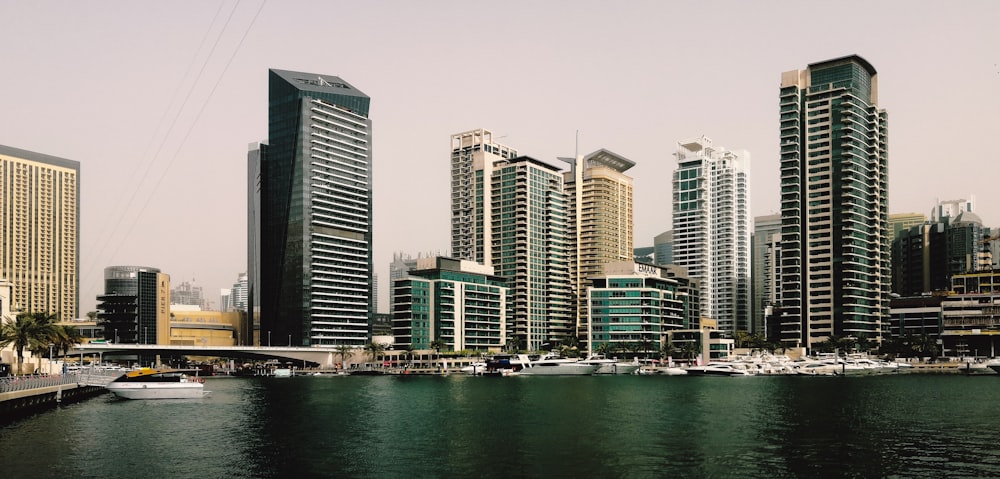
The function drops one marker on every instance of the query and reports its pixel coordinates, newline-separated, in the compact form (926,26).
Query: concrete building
(473,155)
(900,222)
(458,302)
(599,221)
(835,262)
(927,256)
(711,228)
(191,326)
(311,213)
(766,243)
(187,293)
(633,305)
(40,231)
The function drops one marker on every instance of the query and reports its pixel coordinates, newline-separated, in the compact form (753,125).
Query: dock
(25,395)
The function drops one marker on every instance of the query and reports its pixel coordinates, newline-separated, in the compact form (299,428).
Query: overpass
(325,357)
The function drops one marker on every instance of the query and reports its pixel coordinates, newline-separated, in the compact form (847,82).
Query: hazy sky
(159,100)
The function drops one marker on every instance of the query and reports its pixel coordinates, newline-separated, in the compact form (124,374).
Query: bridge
(325,357)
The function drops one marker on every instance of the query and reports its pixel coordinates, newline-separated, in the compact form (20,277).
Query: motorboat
(611,366)
(554,365)
(717,368)
(475,368)
(150,383)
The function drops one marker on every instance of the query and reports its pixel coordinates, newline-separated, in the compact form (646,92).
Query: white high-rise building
(711,227)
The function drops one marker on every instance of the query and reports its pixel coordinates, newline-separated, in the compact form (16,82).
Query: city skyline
(160,127)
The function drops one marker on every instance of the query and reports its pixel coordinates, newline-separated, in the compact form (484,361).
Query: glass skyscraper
(835,262)
(311,214)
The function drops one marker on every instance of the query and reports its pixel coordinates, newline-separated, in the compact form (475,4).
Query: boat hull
(617,368)
(559,370)
(185,390)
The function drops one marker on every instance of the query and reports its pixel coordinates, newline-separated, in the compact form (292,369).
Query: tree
(437,345)
(31,331)
(65,337)
(344,351)
(741,339)
(374,350)
(92,315)
(514,344)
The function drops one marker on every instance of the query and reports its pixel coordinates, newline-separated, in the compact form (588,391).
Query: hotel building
(40,231)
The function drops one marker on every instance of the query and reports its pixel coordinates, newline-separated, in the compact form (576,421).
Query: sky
(158,101)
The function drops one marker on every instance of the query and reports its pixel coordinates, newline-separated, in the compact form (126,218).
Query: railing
(21,383)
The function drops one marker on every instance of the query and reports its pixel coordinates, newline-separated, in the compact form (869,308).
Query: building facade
(460,303)
(835,271)
(633,306)
(663,248)
(311,226)
(530,250)
(711,228)
(765,243)
(40,231)
(599,201)
(135,306)
(473,155)
(900,222)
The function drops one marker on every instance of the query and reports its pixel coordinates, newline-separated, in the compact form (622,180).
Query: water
(594,427)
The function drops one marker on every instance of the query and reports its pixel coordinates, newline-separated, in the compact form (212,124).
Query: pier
(24,395)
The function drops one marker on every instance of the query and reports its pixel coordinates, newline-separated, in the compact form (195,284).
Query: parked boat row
(550,365)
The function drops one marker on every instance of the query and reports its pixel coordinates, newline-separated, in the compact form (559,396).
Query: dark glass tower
(312,230)
(835,262)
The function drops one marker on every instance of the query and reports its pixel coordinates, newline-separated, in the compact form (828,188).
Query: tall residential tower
(711,228)
(311,213)
(835,264)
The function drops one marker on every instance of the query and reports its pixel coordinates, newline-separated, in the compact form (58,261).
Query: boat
(150,383)
(501,365)
(607,365)
(474,368)
(717,368)
(282,373)
(553,365)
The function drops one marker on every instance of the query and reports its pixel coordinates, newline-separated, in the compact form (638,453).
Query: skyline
(161,127)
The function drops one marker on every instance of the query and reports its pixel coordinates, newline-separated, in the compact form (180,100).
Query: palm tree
(437,345)
(344,351)
(514,344)
(65,337)
(92,315)
(26,331)
(374,350)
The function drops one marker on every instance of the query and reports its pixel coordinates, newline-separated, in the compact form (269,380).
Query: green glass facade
(633,311)
(314,215)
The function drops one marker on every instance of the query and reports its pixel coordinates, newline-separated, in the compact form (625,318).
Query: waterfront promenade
(23,395)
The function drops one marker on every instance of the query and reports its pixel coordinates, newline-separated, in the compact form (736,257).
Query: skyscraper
(711,228)
(529,249)
(473,154)
(599,220)
(311,206)
(834,228)
(40,231)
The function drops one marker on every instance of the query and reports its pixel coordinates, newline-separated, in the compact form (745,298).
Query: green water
(591,427)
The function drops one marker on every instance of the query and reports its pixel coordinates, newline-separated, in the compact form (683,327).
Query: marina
(902,425)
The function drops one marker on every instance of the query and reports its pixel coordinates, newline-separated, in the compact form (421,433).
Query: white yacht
(150,383)
(611,366)
(554,365)
(719,368)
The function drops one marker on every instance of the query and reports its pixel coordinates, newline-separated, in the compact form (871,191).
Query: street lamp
(269,339)
(116,335)
(50,358)
(289,340)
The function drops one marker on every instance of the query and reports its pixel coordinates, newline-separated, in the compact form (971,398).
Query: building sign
(647,270)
